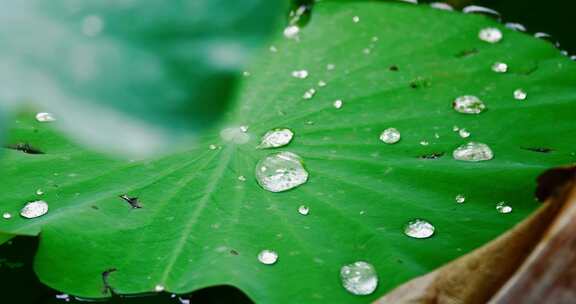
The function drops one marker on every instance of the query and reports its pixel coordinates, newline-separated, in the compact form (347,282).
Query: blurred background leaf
(122,75)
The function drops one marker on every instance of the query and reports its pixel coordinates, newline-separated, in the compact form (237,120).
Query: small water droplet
(476,9)
(460,198)
(442,6)
(39,192)
(159,288)
(338,104)
(390,136)
(291,31)
(246,74)
(374,38)
(473,152)
(268,257)
(330,66)
(242,178)
(273,49)
(516,26)
(366,51)
(309,93)
(468,104)
(45,117)
(359,278)
(304,210)
(463,133)
(490,35)
(321,83)
(276,138)
(455,128)
(92,25)
(7,215)
(212,147)
(34,209)
(503,207)
(500,67)
(424,143)
(243,129)
(419,229)
(520,94)
(301,74)
(280,172)
(356,19)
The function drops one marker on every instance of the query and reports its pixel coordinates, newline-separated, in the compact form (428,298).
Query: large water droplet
(500,67)
(304,210)
(280,172)
(359,278)
(520,94)
(473,152)
(276,138)
(390,136)
(45,117)
(468,104)
(34,209)
(302,74)
(503,207)
(490,34)
(268,257)
(419,229)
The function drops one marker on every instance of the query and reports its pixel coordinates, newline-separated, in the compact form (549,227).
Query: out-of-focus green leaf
(125,73)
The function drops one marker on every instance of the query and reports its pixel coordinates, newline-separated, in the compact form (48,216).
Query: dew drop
(268,257)
(503,207)
(45,117)
(390,136)
(301,74)
(500,67)
(280,172)
(468,104)
(442,6)
(291,32)
(7,215)
(276,138)
(243,129)
(520,94)
(359,278)
(490,35)
(330,66)
(464,133)
(39,192)
(473,152)
(159,288)
(309,93)
(460,198)
(321,83)
(304,210)
(424,143)
(246,74)
(34,209)
(273,49)
(516,26)
(338,104)
(212,147)
(419,229)
(356,19)
(242,178)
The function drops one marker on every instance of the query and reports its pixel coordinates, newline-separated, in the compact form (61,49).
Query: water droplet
(356,19)
(268,257)
(374,38)
(45,117)
(291,31)
(490,34)
(424,143)
(468,104)
(338,104)
(246,74)
(500,67)
(243,129)
(516,26)
(476,9)
(301,74)
(390,136)
(309,93)
(304,210)
(159,288)
(6,215)
(455,128)
(442,6)
(359,278)
(330,66)
(212,147)
(39,192)
(366,51)
(460,198)
(280,172)
(520,94)
(92,25)
(503,207)
(419,229)
(64,297)
(242,178)
(463,133)
(321,83)
(34,209)
(273,49)
(276,138)
(473,152)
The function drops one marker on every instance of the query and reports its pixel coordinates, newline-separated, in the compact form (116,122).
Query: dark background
(19,285)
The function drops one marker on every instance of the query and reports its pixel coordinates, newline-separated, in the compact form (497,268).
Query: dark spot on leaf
(467,53)
(420,82)
(133,201)
(105,275)
(394,68)
(552,180)
(538,149)
(233,252)
(94,207)
(434,155)
(24,147)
